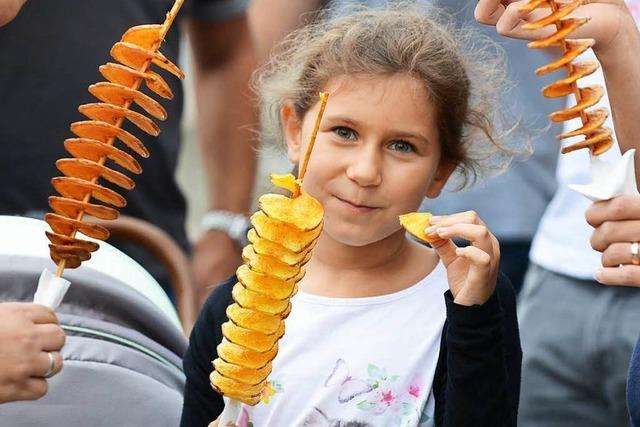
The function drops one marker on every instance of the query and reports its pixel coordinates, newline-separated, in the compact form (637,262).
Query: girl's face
(376,155)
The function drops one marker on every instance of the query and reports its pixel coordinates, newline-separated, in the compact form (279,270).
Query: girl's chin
(354,237)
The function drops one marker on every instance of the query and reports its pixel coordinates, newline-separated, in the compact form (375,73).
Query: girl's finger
(627,275)
(489,11)
(446,250)
(478,235)
(475,255)
(511,21)
(467,217)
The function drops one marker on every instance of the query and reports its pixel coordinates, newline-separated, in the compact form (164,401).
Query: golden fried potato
(88,170)
(90,149)
(415,223)
(117,94)
(71,208)
(78,189)
(112,114)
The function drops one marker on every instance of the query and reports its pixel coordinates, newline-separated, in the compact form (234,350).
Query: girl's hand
(472,271)
(617,227)
(608,20)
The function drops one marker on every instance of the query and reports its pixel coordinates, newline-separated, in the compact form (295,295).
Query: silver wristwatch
(233,224)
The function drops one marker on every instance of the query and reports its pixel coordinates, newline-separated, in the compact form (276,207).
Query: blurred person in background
(577,335)
(50,55)
(30,336)
(527,186)
(616,236)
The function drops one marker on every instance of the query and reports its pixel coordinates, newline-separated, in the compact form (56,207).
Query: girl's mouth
(357,208)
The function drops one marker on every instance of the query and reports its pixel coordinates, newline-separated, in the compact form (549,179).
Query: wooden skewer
(324,96)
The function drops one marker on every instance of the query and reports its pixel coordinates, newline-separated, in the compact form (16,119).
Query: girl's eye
(344,133)
(402,146)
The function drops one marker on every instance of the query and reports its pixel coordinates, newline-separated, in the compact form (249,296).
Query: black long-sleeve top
(477,379)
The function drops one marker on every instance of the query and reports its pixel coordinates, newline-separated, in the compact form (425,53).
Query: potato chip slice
(240,373)
(91,149)
(589,96)
(575,48)
(264,284)
(88,169)
(238,355)
(283,234)
(595,119)
(58,239)
(266,247)
(126,76)
(105,132)
(135,57)
(67,226)
(553,17)
(239,388)
(287,312)
(112,113)
(286,181)
(250,299)
(114,93)
(268,264)
(564,86)
(69,261)
(303,212)
(251,339)
(71,208)
(598,139)
(254,320)
(415,223)
(533,4)
(78,189)
(146,36)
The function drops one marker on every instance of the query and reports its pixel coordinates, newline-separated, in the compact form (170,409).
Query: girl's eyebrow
(343,119)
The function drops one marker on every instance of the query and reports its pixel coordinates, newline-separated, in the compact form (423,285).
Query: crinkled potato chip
(71,208)
(303,212)
(75,188)
(266,247)
(240,373)
(117,94)
(250,299)
(415,223)
(254,320)
(283,234)
(239,355)
(251,339)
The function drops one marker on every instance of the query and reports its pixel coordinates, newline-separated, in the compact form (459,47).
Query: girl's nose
(365,167)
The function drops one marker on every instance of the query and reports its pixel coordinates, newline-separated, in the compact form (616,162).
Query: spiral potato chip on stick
(96,138)
(284,232)
(597,138)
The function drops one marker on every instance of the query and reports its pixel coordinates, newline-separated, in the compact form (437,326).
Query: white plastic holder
(230,413)
(51,289)
(610,179)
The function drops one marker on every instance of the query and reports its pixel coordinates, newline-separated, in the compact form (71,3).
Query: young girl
(384,331)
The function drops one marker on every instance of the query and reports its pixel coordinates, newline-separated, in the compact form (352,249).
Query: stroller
(125,342)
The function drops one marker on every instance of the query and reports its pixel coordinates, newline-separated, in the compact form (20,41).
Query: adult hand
(473,270)
(607,20)
(617,227)
(9,9)
(215,257)
(30,343)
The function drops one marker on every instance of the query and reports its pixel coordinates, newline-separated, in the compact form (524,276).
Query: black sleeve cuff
(488,313)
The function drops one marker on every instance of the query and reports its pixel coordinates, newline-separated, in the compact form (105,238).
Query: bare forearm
(226,141)
(226,116)
(621,66)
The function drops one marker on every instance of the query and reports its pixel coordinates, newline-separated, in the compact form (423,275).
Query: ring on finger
(52,366)
(635,253)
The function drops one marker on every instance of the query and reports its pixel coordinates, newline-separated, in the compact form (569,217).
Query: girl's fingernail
(430,230)
(597,275)
(459,251)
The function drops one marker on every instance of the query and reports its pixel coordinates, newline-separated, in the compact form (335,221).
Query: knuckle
(40,389)
(617,207)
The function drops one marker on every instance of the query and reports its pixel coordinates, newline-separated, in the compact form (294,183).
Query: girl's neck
(383,267)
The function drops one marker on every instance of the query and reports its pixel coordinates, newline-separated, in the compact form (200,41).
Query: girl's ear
(292,132)
(445,169)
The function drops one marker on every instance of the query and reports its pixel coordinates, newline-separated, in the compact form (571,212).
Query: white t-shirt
(357,361)
(562,242)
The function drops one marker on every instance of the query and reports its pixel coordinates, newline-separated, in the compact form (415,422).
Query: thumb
(214,423)
(446,250)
